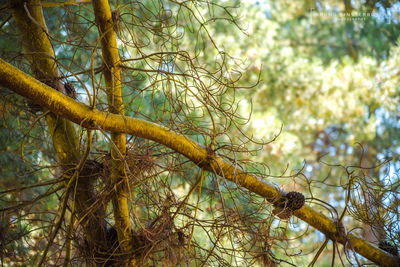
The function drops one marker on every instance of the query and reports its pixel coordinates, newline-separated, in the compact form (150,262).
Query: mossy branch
(25,85)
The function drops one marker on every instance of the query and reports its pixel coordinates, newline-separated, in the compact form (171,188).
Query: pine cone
(70,90)
(388,247)
(295,200)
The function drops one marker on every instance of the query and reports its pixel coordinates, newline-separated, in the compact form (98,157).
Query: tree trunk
(29,18)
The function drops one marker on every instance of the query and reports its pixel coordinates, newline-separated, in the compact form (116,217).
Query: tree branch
(112,74)
(29,18)
(81,114)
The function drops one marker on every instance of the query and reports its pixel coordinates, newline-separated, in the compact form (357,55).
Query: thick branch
(112,74)
(62,105)
(29,18)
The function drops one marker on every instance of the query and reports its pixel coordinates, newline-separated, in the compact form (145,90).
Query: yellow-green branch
(81,114)
(112,74)
(29,18)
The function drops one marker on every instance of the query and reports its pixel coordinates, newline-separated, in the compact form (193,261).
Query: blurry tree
(160,93)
